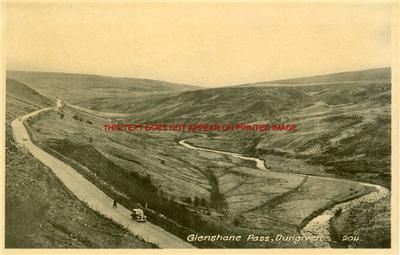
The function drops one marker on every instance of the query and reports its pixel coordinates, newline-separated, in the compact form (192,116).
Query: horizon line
(202,86)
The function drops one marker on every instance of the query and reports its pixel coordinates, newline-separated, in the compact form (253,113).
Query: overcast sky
(198,44)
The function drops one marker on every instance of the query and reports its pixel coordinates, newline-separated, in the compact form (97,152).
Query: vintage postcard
(140,127)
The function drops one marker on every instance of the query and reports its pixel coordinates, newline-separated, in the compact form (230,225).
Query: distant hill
(81,87)
(378,74)
(344,126)
(254,103)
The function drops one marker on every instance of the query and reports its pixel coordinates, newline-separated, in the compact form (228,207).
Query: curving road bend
(87,192)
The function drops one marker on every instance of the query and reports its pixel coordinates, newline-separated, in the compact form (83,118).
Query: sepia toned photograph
(217,125)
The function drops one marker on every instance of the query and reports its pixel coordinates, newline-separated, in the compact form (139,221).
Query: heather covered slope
(343,124)
(343,132)
(377,75)
(343,128)
(75,88)
(39,211)
(188,191)
(22,99)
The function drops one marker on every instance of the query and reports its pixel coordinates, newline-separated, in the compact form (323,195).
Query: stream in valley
(319,225)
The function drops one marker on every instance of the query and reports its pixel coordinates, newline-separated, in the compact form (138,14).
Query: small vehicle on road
(138,215)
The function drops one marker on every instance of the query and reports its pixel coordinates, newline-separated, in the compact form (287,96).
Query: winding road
(87,192)
(319,225)
(97,200)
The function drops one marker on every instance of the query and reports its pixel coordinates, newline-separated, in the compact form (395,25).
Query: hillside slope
(82,87)
(22,99)
(343,132)
(344,127)
(377,75)
(40,212)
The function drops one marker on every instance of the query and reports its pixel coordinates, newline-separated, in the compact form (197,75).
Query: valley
(264,183)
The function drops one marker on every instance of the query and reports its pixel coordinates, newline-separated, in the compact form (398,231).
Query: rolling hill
(81,87)
(344,130)
(333,118)
(377,75)
(22,99)
(345,126)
